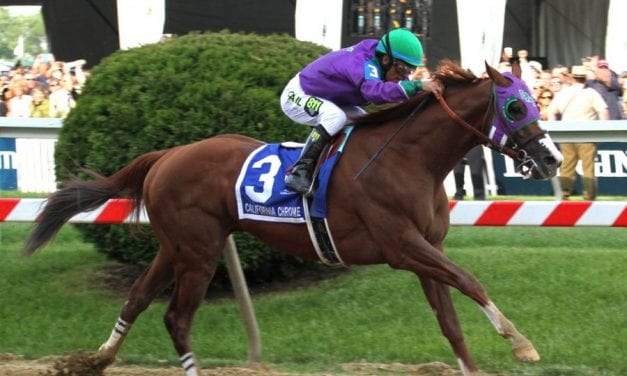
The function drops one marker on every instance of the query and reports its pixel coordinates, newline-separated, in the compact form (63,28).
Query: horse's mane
(448,72)
(451,74)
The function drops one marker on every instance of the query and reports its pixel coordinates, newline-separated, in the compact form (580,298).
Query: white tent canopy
(140,22)
(480,40)
(480,24)
(616,38)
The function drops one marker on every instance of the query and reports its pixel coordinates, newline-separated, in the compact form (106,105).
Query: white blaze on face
(548,143)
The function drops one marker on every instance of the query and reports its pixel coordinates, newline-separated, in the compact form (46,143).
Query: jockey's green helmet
(402,44)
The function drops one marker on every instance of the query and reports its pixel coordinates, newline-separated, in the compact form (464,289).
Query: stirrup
(301,178)
(305,190)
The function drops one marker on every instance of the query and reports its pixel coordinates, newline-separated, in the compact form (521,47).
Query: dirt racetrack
(11,365)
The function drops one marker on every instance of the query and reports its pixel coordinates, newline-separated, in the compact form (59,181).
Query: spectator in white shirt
(62,97)
(19,104)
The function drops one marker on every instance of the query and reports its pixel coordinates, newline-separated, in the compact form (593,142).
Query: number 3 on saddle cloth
(262,196)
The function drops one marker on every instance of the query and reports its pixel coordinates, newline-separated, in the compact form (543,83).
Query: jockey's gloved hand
(433,86)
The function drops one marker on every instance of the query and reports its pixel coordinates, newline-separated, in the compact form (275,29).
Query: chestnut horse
(386,203)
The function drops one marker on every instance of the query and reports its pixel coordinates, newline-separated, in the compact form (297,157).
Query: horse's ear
(516,71)
(496,76)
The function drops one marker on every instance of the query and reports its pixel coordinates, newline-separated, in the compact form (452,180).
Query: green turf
(564,288)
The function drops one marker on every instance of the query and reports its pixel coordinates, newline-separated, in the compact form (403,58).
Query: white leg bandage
(119,331)
(189,364)
(462,367)
(492,312)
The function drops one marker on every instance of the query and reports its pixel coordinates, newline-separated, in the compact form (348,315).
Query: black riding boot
(299,179)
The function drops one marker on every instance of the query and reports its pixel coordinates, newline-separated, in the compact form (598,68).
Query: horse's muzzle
(541,160)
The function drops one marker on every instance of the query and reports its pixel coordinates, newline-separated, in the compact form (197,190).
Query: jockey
(329,91)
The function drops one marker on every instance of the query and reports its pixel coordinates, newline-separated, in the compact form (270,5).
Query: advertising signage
(610,169)
(8,171)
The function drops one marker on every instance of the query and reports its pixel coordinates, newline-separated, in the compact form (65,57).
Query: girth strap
(321,238)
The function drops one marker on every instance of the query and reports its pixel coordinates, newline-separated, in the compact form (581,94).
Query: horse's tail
(80,196)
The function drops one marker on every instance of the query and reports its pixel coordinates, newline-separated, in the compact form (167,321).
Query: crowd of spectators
(599,76)
(589,91)
(46,88)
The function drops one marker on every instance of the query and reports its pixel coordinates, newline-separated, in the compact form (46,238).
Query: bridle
(504,149)
(524,163)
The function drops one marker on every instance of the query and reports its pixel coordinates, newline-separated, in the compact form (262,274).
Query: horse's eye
(515,110)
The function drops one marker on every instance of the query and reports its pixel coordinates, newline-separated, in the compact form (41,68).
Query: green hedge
(177,92)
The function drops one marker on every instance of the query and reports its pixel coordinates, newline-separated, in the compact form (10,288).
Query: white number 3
(267,179)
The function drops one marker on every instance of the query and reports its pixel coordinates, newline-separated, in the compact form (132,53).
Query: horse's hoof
(105,356)
(80,363)
(526,353)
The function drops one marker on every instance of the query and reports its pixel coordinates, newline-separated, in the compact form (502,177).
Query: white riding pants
(310,110)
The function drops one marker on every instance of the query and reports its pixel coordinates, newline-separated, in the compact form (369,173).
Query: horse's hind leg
(191,284)
(191,287)
(439,297)
(199,243)
(146,288)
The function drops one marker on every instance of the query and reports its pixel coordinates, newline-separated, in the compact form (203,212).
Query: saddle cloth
(260,189)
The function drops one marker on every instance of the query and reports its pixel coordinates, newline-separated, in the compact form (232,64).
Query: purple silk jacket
(352,76)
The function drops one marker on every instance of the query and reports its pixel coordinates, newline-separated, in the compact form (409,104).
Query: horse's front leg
(521,347)
(416,254)
(439,298)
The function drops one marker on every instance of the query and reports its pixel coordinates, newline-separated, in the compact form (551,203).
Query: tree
(31,27)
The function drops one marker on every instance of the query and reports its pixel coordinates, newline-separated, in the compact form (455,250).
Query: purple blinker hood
(503,125)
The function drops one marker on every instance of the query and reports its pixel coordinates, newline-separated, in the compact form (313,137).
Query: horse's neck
(428,143)
(440,142)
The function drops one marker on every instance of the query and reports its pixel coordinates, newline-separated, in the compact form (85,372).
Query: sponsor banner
(8,170)
(610,168)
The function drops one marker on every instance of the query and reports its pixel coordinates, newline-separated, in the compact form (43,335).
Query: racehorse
(386,203)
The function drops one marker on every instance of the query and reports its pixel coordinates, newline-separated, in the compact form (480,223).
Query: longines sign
(610,168)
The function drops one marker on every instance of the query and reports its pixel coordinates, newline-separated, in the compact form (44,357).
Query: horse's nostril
(551,161)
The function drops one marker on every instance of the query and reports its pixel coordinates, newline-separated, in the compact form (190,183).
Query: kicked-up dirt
(80,364)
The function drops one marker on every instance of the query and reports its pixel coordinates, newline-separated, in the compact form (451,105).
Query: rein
(485,139)
(503,149)
(386,143)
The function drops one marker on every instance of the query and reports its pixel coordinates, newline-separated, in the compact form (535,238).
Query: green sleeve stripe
(411,87)
(418,85)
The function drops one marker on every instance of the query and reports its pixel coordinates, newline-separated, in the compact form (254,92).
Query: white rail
(36,135)
(587,131)
(38,128)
